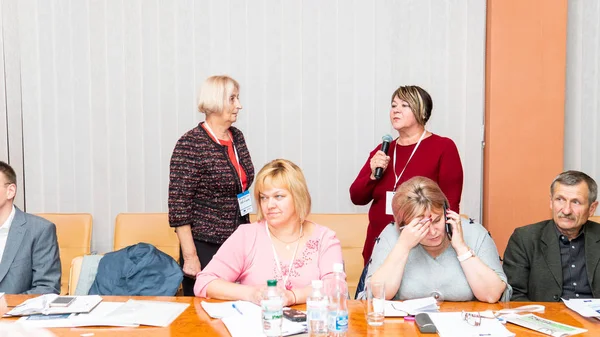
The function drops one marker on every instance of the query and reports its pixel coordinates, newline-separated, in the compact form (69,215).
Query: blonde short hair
(419,101)
(416,196)
(284,174)
(215,92)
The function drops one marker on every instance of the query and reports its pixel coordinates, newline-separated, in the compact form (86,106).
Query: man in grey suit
(29,260)
(558,258)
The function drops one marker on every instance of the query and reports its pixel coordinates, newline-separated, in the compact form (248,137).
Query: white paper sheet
(221,309)
(585,307)
(153,313)
(410,307)
(247,321)
(452,324)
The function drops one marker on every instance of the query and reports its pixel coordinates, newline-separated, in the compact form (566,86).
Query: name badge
(388,202)
(245,202)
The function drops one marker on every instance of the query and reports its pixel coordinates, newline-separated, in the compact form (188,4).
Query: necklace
(276,257)
(288,243)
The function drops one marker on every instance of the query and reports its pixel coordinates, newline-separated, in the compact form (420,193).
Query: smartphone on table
(62,301)
(294,315)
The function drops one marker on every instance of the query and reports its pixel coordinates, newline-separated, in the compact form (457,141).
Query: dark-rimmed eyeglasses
(474,318)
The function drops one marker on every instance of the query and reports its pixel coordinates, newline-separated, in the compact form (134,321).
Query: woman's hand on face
(414,232)
(458,241)
(380,159)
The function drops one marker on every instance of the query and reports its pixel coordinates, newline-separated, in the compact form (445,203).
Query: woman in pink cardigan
(282,245)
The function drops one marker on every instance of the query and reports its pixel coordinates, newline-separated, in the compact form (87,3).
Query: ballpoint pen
(236,308)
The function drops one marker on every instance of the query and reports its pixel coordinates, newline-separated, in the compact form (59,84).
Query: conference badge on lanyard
(389,195)
(245,202)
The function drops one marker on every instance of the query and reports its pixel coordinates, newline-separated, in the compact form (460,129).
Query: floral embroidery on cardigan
(311,248)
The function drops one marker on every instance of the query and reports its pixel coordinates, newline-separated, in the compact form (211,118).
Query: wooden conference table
(194,321)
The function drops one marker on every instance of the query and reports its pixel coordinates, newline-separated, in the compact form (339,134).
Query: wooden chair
(74,233)
(74,272)
(152,228)
(351,230)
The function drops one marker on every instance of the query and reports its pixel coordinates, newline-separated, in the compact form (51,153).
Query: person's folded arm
(487,251)
(485,283)
(298,295)
(226,290)
(218,279)
(391,270)
(516,266)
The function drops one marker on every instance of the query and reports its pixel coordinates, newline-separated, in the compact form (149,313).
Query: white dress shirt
(4,231)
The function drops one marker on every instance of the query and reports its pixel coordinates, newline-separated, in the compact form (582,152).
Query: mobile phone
(62,301)
(294,315)
(448,226)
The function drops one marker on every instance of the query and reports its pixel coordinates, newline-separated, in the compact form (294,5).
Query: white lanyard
(291,267)
(408,161)
(239,165)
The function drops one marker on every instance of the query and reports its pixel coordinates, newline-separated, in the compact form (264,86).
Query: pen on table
(236,308)
(409,318)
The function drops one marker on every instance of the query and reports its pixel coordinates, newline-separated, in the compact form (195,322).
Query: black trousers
(205,251)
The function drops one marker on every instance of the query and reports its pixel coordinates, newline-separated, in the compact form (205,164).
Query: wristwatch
(466,256)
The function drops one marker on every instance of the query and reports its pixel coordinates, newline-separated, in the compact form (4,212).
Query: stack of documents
(585,307)
(131,313)
(452,324)
(40,305)
(244,318)
(410,307)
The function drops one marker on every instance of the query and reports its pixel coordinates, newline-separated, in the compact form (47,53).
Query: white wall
(11,128)
(109,86)
(582,108)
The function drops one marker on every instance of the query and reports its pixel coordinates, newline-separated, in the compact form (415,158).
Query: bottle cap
(338,268)
(271,283)
(317,284)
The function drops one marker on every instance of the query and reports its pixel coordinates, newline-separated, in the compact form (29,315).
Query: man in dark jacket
(558,258)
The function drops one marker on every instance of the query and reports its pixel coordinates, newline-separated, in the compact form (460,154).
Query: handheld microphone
(384,147)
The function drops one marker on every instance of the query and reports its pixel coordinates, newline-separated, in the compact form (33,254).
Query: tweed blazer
(203,185)
(533,266)
(31,262)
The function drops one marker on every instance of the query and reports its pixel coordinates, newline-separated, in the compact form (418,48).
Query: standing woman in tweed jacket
(211,171)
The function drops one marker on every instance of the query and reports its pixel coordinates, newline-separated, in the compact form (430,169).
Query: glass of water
(375,302)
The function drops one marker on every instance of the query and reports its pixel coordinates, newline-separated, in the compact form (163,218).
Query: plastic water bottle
(337,320)
(272,309)
(316,311)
